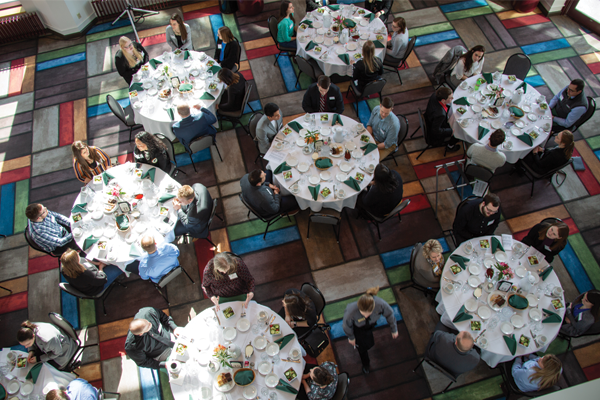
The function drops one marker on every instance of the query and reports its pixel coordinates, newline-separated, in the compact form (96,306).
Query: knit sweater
(480,155)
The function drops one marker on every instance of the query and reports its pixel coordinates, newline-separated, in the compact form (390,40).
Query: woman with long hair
(471,63)
(129,58)
(227,49)
(179,35)
(543,160)
(384,192)
(299,311)
(537,373)
(151,150)
(549,238)
(88,161)
(369,68)
(429,264)
(319,382)
(581,314)
(46,343)
(361,317)
(396,48)
(286,26)
(226,275)
(86,276)
(233,95)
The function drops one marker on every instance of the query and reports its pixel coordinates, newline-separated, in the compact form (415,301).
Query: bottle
(325,149)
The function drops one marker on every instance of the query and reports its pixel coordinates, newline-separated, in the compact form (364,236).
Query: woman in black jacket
(84,276)
(299,311)
(150,150)
(233,95)
(130,58)
(549,238)
(228,48)
(367,69)
(543,160)
(381,8)
(384,194)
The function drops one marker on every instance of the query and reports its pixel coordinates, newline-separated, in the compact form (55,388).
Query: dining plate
(526,108)
(484,124)
(226,387)
(320,31)
(13,386)
(250,392)
(318,40)
(532,299)
(300,142)
(493,305)
(271,380)
(345,167)
(229,333)
(364,22)
(137,105)
(272,349)
(303,132)
(500,256)
(497,124)
(153,91)
(521,272)
(506,328)
(535,314)
(317,24)
(313,180)
(473,281)
(476,108)
(532,117)
(260,342)
(303,166)
(515,131)
(340,50)
(351,46)
(341,177)
(328,42)
(243,324)
(474,269)
(484,312)
(292,161)
(517,321)
(489,262)
(364,36)
(264,367)
(26,388)
(97,215)
(471,305)
(519,123)
(325,131)
(325,175)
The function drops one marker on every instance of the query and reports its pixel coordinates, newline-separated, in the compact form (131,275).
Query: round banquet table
(470,133)
(150,221)
(291,150)
(497,351)
(151,111)
(333,64)
(204,333)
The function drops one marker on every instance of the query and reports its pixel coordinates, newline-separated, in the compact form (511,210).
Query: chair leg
(188,275)
(217,215)
(103,306)
(308,230)
(192,160)
(416,130)
(426,148)
(2,287)
(162,294)
(399,77)
(218,152)
(298,79)
(446,388)
(210,241)
(418,365)
(532,185)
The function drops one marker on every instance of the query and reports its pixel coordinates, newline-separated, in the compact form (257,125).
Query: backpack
(448,62)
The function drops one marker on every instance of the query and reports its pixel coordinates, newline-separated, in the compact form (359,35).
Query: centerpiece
(504,271)
(221,354)
(310,139)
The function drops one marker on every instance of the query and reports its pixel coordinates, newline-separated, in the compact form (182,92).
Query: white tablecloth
(152,113)
(519,149)
(48,374)
(154,224)
(497,351)
(303,197)
(334,65)
(207,334)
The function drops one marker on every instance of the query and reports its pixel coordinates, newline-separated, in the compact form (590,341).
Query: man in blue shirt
(78,389)
(384,126)
(49,230)
(193,126)
(159,261)
(568,106)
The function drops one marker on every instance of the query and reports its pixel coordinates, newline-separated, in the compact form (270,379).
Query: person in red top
(226,275)
(436,119)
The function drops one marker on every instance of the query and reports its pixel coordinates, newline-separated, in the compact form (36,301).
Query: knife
(334,193)
(482,332)
(217,315)
(525,252)
(449,280)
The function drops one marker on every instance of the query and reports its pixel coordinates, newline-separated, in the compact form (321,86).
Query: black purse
(316,340)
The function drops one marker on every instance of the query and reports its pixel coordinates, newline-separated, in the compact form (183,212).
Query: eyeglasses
(490,211)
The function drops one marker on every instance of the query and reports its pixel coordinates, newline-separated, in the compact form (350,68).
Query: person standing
(129,58)
(178,33)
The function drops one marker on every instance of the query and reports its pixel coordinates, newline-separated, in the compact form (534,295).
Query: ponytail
(366,302)
(26,332)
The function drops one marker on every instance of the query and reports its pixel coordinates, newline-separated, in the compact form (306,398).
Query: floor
(53,92)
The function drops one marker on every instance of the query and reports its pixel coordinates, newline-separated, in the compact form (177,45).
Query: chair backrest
(253,123)
(413,256)
(479,172)
(239,53)
(441,369)
(373,87)
(272,21)
(587,115)
(403,132)
(325,219)
(551,220)
(201,143)
(212,213)
(306,67)
(253,211)
(517,65)
(409,48)
(170,151)
(448,62)
(401,206)
(424,127)
(64,325)
(246,97)
(342,387)
(594,329)
(174,273)
(315,295)
(116,108)
(33,244)
(66,287)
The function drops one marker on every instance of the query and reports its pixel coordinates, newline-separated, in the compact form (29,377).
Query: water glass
(273,396)
(265,392)
(276,359)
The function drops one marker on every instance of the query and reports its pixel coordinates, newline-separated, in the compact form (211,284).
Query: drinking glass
(273,396)
(264,391)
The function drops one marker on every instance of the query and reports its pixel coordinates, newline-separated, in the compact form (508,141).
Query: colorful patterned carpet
(53,92)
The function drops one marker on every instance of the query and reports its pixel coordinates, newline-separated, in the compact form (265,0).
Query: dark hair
(385,181)
(226,34)
(227,76)
(155,145)
(76,148)
(468,56)
(57,394)
(271,109)
(497,138)
(568,140)
(579,83)
(182,30)
(283,11)
(26,332)
(563,233)
(492,198)
(324,81)
(443,93)
(401,24)
(254,177)
(33,211)
(297,304)
(322,376)
(593,297)
(387,102)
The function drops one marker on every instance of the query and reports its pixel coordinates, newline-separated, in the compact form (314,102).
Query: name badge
(580,317)
(361,320)
(547,248)
(332,98)
(491,222)
(233,276)
(219,46)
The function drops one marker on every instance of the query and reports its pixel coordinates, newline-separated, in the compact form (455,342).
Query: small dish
(532,117)
(272,349)
(292,161)
(243,324)
(250,392)
(345,167)
(515,131)
(313,180)
(474,269)
(325,131)
(341,194)
(476,108)
(449,288)
(294,188)
(26,388)
(13,386)
(473,281)
(507,328)
(535,314)
(303,166)
(471,305)
(508,145)
(521,272)
(496,124)
(517,321)
(264,367)
(325,175)
(484,312)
(532,300)
(519,123)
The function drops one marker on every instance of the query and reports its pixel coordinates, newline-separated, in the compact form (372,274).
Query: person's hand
(31,359)
(567,320)
(288,319)
(377,14)
(395,335)
(176,204)
(276,190)
(216,106)
(352,61)
(305,376)
(249,297)
(215,300)
(101,266)
(352,342)
(178,331)
(197,106)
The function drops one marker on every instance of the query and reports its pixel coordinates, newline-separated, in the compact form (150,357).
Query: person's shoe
(452,149)
(292,213)
(366,370)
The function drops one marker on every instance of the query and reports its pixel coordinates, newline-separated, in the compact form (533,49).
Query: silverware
(525,252)
(334,193)
(482,332)
(449,280)
(290,360)
(217,316)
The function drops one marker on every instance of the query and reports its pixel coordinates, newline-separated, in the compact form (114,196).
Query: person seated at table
(312,5)
(49,230)
(537,373)
(232,98)
(46,343)
(88,161)
(384,125)
(477,217)
(368,69)
(158,261)
(226,275)
(319,382)
(129,58)
(470,64)
(228,48)
(384,192)
(488,155)
(286,25)
(549,238)
(260,193)
(581,314)
(78,389)
(151,338)
(436,119)
(152,151)
(396,48)
(88,277)
(454,353)
(193,125)
(298,311)
(543,160)
(381,8)
(179,35)
(323,96)
(194,207)
(268,126)
(568,106)
(429,264)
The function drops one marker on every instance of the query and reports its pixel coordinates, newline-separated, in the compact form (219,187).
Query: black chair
(171,153)
(342,387)
(446,80)
(268,220)
(587,115)
(479,172)
(316,296)
(65,326)
(125,115)
(35,246)
(310,68)
(593,331)
(371,88)
(290,51)
(201,143)
(418,247)
(428,139)
(460,205)
(68,288)
(213,213)
(402,133)
(326,216)
(511,386)
(102,394)
(252,124)
(517,65)
(392,66)
(436,366)
(174,273)
(235,116)
(533,176)
(236,67)
(380,220)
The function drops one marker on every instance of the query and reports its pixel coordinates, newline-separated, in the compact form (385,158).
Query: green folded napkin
(134,251)
(518,302)
(165,197)
(78,208)
(460,260)
(323,163)
(136,86)
(481,132)
(295,126)
(516,111)
(462,315)
(379,45)
(107,177)
(371,17)
(284,386)
(462,101)
(239,297)
(488,77)
(496,244)
(149,174)
(33,373)
(369,147)
(311,45)
(282,167)
(207,96)
(552,318)
(353,183)
(215,69)
(2,392)
(348,23)
(171,113)
(307,22)
(511,343)
(314,191)
(334,7)
(335,119)
(244,377)
(524,86)
(185,86)
(90,240)
(155,63)
(546,273)
(525,138)
(122,222)
(186,54)
(284,340)
(345,58)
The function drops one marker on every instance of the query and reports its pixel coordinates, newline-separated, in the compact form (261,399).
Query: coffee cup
(557,291)
(483,342)
(11,358)
(464,85)
(508,145)
(295,353)
(262,316)
(542,339)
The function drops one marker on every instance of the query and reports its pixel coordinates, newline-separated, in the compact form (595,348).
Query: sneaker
(452,149)
(366,370)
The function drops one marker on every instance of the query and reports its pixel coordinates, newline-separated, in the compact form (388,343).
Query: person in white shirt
(268,126)
(397,46)
(468,65)
(488,155)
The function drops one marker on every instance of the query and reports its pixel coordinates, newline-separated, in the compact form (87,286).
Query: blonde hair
(132,60)
(369,56)
(70,265)
(549,373)
(366,302)
(185,192)
(432,246)
(223,264)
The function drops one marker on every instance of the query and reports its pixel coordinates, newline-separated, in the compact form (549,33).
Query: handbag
(316,340)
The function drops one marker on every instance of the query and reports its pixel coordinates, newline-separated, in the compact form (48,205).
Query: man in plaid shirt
(49,230)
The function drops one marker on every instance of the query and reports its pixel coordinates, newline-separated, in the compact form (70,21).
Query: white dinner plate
(340,50)
(476,108)
(300,142)
(535,314)
(328,42)
(229,333)
(303,132)
(485,124)
(351,46)
(13,386)
(77,232)
(272,349)
(519,123)
(517,321)
(271,380)
(474,281)
(521,272)
(350,146)
(325,175)
(243,324)
(260,342)
(532,117)
(97,215)
(345,167)
(532,299)
(526,108)
(474,269)
(320,31)
(364,22)
(489,262)
(292,161)
(303,166)
(364,36)
(26,388)
(484,312)
(264,367)
(313,180)
(492,305)
(98,232)
(497,124)
(318,40)
(153,91)
(250,392)
(515,131)
(341,177)
(471,305)
(317,24)
(226,387)
(500,256)
(506,328)
(325,131)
